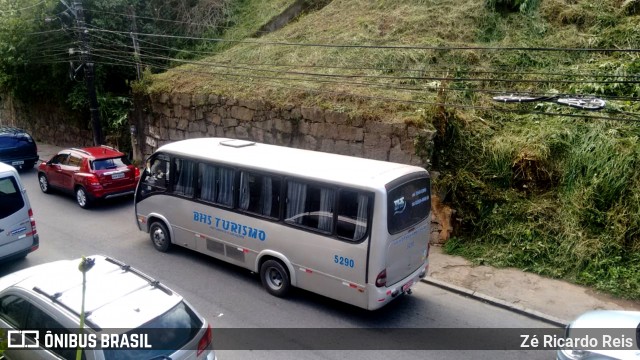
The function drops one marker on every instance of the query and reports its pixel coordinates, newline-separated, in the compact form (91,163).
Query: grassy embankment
(551,194)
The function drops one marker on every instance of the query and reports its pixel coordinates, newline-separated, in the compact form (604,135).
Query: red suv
(90,174)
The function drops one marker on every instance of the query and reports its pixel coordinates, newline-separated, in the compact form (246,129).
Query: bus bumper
(384,295)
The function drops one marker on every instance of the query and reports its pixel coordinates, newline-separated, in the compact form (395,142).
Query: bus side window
(310,206)
(259,194)
(216,184)
(353,215)
(156,177)
(183,178)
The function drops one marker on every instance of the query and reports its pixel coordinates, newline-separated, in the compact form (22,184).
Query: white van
(18,235)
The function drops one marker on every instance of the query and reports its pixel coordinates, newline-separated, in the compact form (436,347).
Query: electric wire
(355,46)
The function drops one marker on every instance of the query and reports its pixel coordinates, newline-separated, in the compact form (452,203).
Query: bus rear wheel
(160,237)
(275,278)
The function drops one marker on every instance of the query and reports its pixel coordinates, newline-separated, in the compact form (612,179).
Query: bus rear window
(408,204)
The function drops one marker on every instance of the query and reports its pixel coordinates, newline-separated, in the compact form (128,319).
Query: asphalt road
(231,297)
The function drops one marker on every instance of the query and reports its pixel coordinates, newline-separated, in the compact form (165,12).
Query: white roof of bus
(290,161)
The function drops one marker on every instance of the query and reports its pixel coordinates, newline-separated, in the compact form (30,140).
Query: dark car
(17,148)
(90,173)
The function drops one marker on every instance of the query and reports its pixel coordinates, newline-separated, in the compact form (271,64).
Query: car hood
(615,323)
(613,319)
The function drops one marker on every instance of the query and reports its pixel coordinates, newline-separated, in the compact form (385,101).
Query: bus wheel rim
(275,278)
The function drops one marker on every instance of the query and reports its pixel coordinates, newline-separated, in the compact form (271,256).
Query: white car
(603,335)
(128,315)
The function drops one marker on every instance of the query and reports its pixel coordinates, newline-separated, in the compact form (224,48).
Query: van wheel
(275,278)
(160,237)
(82,198)
(44,183)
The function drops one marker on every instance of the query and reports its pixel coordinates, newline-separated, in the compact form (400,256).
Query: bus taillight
(381,280)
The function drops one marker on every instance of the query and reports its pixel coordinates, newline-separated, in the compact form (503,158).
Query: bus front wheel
(275,278)
(160,237)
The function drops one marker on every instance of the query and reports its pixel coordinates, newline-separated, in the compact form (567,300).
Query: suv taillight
(33,224)
(93,180)
(205,341)
(381,280)
(136,172)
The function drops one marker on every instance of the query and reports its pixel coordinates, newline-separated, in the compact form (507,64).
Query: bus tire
(275,278)
(160,237)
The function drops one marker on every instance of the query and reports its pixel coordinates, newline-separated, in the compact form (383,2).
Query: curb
(534,314)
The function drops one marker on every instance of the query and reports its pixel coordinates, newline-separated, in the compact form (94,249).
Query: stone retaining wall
(181,116)
(44,122)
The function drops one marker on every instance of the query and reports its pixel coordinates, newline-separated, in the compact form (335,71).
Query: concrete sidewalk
(557,302)
(554,301)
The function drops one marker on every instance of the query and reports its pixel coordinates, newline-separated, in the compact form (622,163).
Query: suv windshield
(113,163)
(167,333)
(408,204)
(10,197)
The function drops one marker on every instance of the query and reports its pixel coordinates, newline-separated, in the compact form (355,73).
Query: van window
(10,197)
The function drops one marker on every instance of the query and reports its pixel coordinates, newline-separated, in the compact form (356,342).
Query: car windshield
(112,163)
(166,334)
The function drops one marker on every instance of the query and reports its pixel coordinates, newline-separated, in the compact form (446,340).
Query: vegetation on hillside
(539,186)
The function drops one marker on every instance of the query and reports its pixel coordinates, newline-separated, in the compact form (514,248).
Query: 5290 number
(340,260)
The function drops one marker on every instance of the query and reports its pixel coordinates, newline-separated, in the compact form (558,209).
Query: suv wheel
(82,198)
(44,183)
(160,237)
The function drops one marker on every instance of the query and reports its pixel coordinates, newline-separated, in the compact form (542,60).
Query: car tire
(160,237)
(82,198)
(44,183)
(275,278)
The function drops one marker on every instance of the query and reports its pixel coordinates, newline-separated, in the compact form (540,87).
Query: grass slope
(558,195)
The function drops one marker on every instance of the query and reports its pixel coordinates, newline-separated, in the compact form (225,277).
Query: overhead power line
(403,47)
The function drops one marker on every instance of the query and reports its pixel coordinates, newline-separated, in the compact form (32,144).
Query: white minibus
(352,229)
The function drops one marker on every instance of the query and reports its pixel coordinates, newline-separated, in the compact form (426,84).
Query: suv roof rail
(80,150)
(153,282)
(109,147)
(55,297)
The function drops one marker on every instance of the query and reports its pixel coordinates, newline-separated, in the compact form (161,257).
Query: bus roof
(341,169)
